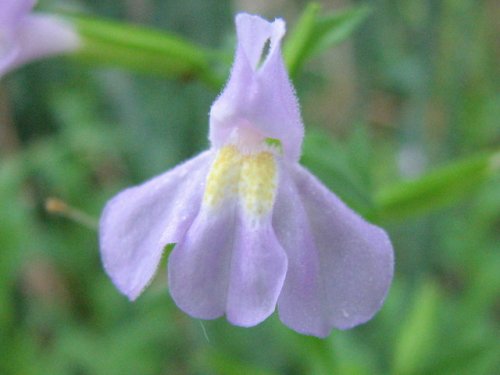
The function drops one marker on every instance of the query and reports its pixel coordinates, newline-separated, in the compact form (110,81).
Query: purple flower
(25,37)
(253,229)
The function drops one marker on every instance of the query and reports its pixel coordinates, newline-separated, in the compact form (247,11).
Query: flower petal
(137,223)
(253,32)
(354,259)
(226,266)
(38,36)
(199,266)
(43,35)
(301,303)
(11,11)
(258,270)
(260,98)
(8,55)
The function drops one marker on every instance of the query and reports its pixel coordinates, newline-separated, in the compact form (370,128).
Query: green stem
(438,188)
(145,50)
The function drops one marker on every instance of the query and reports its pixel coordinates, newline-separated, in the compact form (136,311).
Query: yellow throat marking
(252,178)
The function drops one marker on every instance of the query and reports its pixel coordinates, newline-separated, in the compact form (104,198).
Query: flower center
(247,139)
(251,179)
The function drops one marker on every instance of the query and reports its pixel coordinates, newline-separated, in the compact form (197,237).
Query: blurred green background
(411,95)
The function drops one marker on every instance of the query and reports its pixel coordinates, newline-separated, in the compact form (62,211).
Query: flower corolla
(253,230)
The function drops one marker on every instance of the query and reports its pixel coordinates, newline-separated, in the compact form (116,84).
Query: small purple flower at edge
(253,229)
(25,36)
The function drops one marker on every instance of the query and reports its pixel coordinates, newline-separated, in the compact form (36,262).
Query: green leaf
(336,165)
(222,363)
(438,188)
(417,333)
(464,359)
(315,32)
(145,50)
(296,46)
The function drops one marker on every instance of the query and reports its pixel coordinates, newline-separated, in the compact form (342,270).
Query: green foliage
(154,52)
(440,187)
(344,166)
(417,338)
(145,50)
(315,32)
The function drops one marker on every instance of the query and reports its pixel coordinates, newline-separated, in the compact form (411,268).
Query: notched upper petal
(253,33)
(256,96)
